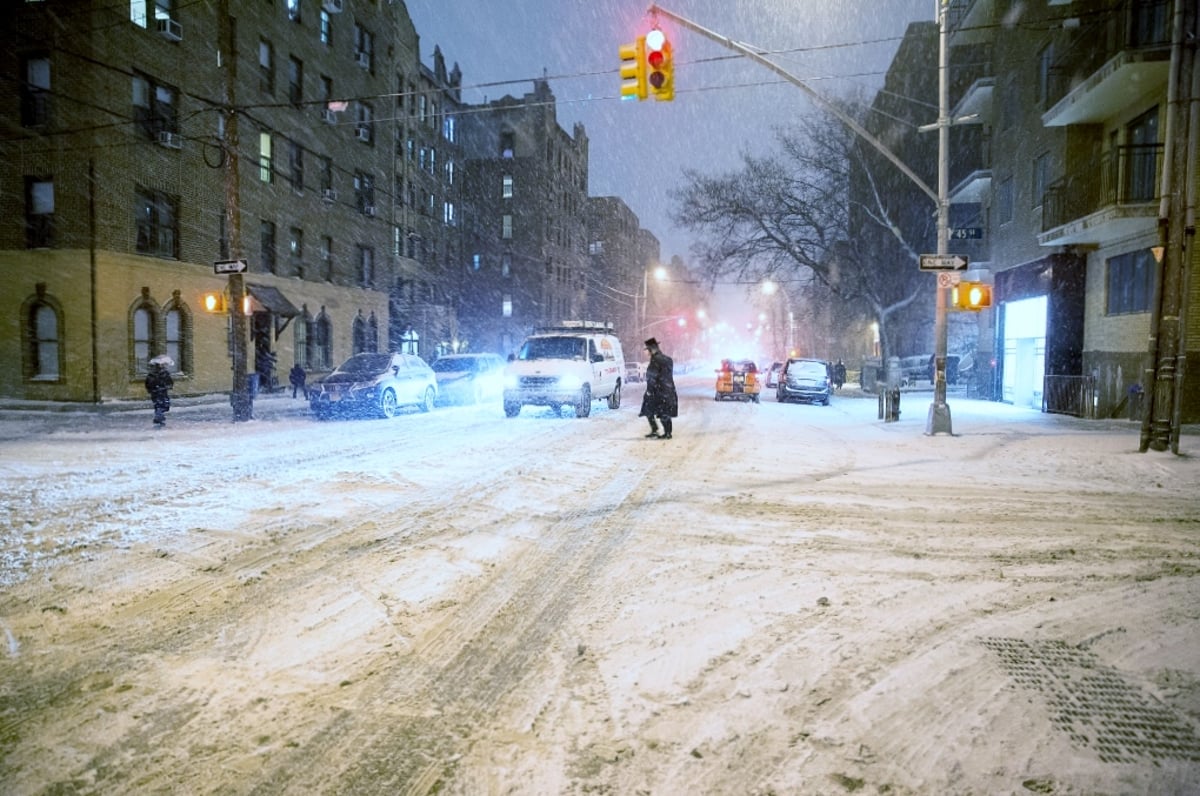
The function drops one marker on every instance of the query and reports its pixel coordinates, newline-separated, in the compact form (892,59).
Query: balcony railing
(1130,25)
(1130,175)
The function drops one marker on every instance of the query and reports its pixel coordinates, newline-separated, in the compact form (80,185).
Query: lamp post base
(939,420)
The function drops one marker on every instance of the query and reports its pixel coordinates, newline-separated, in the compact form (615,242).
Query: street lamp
(660,273)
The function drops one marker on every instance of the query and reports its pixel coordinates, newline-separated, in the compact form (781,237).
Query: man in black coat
(660,403)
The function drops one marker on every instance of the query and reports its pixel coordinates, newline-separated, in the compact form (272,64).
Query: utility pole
(1177,231)
(239,397)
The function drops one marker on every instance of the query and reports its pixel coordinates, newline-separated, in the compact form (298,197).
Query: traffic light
(214,302)
(660,71)
(972,296)
(633,70)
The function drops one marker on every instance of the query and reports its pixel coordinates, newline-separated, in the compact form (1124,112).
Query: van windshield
(554,348)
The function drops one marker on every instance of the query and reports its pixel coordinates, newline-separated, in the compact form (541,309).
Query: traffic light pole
(938,421)
(939,410)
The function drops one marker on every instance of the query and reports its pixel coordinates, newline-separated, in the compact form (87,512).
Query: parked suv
(804,380)
(571,364)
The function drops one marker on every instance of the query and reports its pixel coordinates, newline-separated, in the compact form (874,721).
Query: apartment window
(326,28)
(137,12)
(366,123)
(506,227)
(364,192)
(364,47)
(265,168)
(448,214)
(327,257)
(449,128)
(293,10)
(266,67)
(1004,201)
(295,81)
(174,330)
(1038,186)
(296,165)
(157,223)
(300,340)
(266,239)
(422,108)
(326,173)
(506,264)
(296,244)
(366,266)
(1141,168)
(1130,283)
(506,306)
(43,351)
(39,212)
(448,171)
(1045,62)
(476,261)
(154,107)
(35,91)
(506,190)
(506,145)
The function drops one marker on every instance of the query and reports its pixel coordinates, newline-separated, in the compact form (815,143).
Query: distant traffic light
(660,70)
(972,296)
(633,70)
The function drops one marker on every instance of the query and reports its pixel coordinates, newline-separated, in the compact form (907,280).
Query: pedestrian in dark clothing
(158,384)
(297,376)
(659,403)
(839,375)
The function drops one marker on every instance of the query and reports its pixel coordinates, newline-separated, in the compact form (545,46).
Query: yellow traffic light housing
(213,302)
(973,296)
(660,67)
(633,70)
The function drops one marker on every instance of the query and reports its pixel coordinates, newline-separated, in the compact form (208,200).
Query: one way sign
(943,262)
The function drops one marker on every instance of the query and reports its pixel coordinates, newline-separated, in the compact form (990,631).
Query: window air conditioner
(329,194)
(169,29)
(332,6)
(363,134)
(369,210)
(172,140)
(329,116)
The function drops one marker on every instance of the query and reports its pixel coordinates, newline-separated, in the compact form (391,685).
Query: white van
(573,364)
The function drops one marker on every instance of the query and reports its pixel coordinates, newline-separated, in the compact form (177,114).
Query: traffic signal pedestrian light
(660,70)
(972,296)
(633,70)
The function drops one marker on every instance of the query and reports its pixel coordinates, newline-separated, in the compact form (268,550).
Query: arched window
(372,334)
(143,338)
(359,334)
(301,341)
(177,324)
(323,342)
(44,348)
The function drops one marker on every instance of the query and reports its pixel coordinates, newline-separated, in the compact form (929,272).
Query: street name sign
(229,267)
(966,233)
(943,262)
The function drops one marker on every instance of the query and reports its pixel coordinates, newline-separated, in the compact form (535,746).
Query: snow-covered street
(782,599)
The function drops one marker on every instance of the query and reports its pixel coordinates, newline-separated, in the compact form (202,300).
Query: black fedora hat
(651,343)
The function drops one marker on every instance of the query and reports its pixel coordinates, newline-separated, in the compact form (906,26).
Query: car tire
(387,403)
(427,400)
(614,400)
(511,409)
(583,407)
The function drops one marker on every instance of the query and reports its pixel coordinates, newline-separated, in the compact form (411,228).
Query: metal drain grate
(1094,705)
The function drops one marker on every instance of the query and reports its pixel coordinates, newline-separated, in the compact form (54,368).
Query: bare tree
(821,208)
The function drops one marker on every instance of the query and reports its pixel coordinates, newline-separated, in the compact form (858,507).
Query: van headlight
(511,381)
(570,382)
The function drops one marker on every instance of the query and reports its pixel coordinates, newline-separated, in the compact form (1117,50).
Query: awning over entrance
(264,298)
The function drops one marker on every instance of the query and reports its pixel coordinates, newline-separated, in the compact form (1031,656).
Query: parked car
(772,377)
(804,380)
(375,384)
(737,381)
(469,378)
(633,372)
